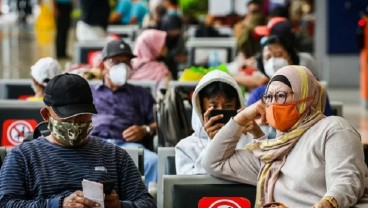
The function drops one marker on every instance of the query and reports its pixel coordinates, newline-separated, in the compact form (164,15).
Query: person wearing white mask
(125,111)
(276,53)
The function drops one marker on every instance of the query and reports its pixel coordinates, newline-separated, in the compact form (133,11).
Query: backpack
(173,115)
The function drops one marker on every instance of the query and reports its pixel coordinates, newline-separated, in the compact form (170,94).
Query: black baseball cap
(69,95)
(116,47)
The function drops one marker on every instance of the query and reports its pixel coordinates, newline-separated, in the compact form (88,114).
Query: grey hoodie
(190,150)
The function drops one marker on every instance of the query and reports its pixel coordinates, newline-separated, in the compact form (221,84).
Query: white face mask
(273,64)
(119,74)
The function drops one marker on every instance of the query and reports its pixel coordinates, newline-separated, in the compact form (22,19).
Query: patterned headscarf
(273,153)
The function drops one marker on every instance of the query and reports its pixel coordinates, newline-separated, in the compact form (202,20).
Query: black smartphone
(226,112)
(108,186)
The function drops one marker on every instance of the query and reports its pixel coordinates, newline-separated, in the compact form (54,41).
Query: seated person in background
(315,161)
(172,7)
(121,14)
(92,70)
(253,15)
(247,75)
(125,111)
(129,12)
(48,171)
(92,25)
(275,54)
(175,42)
(282,28)
(150,48)
(42,72)
(207,29)
(153,19)
(216,90)
(243,68)
(243,30)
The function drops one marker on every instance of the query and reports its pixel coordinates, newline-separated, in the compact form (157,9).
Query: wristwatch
(331,200)
(148,129)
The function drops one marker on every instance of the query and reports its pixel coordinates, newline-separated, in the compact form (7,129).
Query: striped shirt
(38,173)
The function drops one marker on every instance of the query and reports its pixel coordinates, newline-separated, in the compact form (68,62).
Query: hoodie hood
(197,112)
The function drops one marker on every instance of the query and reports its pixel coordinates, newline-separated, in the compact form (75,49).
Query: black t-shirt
(95,12)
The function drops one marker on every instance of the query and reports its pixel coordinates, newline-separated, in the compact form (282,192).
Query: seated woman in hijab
(149,48)
(315,161)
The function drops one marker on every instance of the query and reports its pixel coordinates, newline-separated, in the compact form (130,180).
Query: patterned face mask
(70,133)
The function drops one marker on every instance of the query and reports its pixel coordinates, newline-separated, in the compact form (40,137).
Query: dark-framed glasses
(279,97)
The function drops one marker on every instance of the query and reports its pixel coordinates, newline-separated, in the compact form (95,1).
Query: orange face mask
(282,117)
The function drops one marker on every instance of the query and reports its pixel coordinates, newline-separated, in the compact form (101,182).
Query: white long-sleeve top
(327,160)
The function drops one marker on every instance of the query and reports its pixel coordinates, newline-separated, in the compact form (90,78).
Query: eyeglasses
(279,97)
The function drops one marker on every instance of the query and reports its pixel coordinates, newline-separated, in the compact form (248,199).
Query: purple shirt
(120,109)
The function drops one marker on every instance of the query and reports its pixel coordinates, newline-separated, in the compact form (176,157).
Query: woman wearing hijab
(315,161)
(149,47)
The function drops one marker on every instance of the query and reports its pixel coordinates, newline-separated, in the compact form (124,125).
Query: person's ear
(45,114)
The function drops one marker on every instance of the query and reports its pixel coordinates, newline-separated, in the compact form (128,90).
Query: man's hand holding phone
(112,200)
(77,199)
(102,193)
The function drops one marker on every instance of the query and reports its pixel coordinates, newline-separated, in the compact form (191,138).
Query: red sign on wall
(224,202)
(14,131)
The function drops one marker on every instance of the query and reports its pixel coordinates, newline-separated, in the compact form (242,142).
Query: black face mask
(172,41)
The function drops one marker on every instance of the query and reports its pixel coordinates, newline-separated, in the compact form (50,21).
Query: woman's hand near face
(250,113)
(210,125)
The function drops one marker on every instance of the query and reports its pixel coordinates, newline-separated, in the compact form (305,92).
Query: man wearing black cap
(125,111)
(48,171)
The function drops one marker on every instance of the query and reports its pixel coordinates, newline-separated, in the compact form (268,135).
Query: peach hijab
(273,153)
